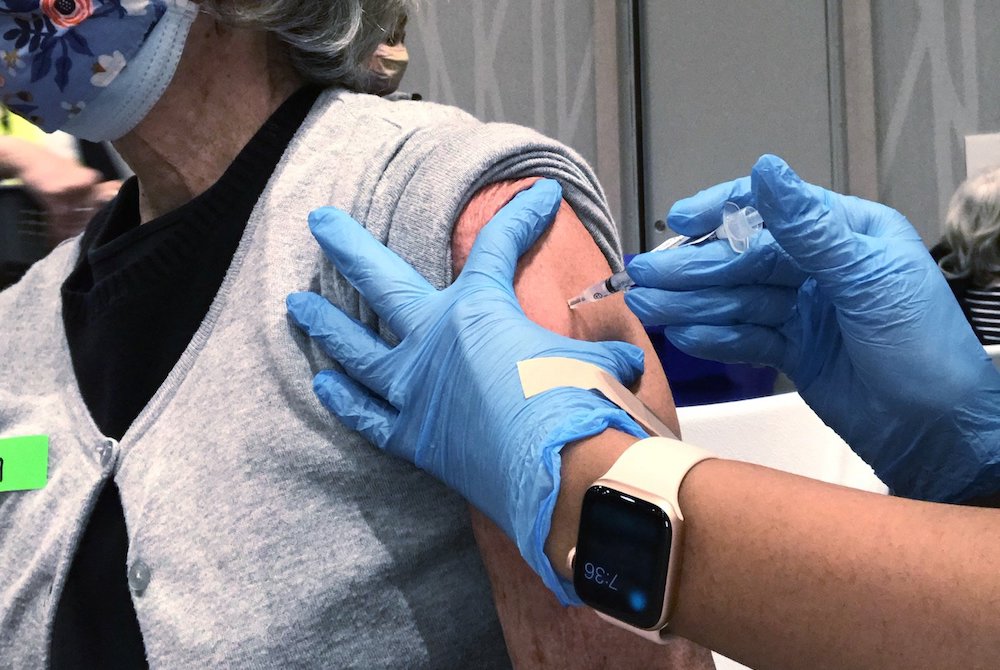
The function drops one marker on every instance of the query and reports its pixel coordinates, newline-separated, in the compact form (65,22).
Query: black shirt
(131,305)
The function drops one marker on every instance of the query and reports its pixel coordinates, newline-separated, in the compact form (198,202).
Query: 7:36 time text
(600,576)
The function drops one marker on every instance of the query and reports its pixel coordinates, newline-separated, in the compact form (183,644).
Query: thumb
(808,222)
(514,229)
(702,213)
(625,361)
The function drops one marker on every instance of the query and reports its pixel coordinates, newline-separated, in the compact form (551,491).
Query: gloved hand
(841,295)
(448,397)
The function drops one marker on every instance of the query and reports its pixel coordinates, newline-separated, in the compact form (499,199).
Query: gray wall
(553,65)
(529,62)
(713,89)
(937,79)
(720,87)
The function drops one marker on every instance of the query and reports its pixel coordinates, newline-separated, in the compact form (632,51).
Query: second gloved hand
(841,295)
(461,414)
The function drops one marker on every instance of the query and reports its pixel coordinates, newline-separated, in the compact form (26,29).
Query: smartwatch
(626,563)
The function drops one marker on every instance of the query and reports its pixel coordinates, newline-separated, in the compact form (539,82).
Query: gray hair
(972,230)
(329,41)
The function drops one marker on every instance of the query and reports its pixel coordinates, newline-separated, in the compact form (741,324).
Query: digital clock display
(621,556)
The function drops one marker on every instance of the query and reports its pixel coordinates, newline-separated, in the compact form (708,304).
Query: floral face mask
(91,67)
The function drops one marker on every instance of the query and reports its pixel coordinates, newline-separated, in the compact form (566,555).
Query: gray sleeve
(443,167)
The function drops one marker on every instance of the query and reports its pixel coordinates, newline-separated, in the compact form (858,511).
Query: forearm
(782,571)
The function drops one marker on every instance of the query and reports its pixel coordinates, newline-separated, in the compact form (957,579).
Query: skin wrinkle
(184,145)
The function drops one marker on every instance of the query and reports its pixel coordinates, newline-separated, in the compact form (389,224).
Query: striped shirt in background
(984,312)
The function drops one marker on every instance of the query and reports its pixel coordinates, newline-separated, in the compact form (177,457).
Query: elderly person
(51,196)
(202,508)
(66,193)
(969,254)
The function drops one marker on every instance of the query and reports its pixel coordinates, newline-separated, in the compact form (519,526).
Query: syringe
(738,226)
(620,281)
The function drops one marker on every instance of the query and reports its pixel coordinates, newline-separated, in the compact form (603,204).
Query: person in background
(387,66)
(969,253)
(47,192)
(67,189)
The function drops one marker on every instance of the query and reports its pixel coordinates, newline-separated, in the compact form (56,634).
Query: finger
(625,361)
(353,345)
(716,264)
(757,345)
(106,191)
(801,217)
(826,234)
(776,186)
(386,282)
(355,406)
(514,229)
(757,305)
(702,213)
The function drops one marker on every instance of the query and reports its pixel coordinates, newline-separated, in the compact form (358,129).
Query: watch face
(622,554)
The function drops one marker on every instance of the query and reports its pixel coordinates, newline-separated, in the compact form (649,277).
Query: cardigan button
(138,577)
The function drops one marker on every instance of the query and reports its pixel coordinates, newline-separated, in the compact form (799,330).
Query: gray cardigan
(262,533)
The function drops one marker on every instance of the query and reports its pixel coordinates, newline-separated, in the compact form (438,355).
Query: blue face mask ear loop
(127,99)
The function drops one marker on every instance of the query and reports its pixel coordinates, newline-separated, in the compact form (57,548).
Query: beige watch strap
(652,469)
(657,466)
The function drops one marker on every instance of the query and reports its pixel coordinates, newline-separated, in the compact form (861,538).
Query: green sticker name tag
(24,463)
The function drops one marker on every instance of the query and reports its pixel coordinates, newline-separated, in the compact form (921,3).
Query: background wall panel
(937,79)
(529,62)
(724,82)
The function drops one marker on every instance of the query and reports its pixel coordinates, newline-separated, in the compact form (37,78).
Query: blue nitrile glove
(448,397)
(852,308)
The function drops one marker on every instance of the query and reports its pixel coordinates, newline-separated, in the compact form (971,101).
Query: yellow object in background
(59,143)
(13,125)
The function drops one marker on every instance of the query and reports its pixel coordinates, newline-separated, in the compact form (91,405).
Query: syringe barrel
(619,281)
(616,283)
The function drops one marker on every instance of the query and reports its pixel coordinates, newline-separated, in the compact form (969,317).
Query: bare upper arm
(540,633)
